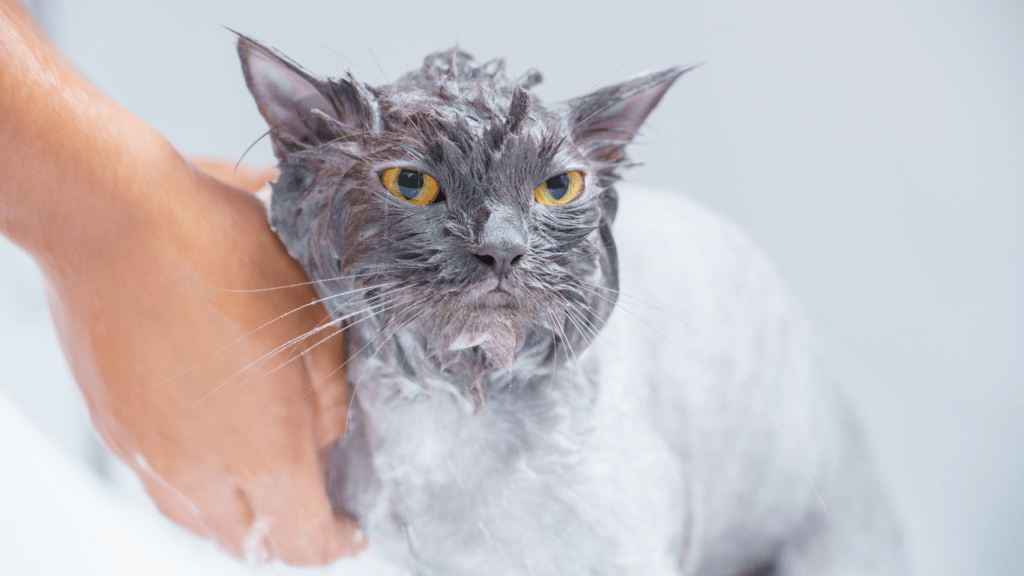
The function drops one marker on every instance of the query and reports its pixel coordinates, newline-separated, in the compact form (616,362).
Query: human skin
(160,282)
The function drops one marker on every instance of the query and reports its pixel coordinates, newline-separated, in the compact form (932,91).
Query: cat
(514,409)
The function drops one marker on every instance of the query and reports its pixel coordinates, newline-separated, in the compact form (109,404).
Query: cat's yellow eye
(413,187)
(560,189)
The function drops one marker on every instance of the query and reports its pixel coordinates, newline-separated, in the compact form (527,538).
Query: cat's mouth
(496,299)
(488,317)
(488,312)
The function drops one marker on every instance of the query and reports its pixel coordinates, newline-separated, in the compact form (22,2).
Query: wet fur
(516,425)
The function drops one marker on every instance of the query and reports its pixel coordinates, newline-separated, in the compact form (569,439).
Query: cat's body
(505,420)
(676,467)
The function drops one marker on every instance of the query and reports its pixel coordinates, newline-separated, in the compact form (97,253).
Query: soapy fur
(654,407)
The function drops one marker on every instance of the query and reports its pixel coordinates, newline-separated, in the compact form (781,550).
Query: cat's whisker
(373,355)
(312,347)
(298,356)
(555,325)
(369,314)
(265,357)
(257,329)
(369,310)
(309,283)
(659,309)
(591,331)
(622,364)
(321,326)
(569,350)
(645,323)
(255,363)
(617,403)
(583,384)
(343,364)
(555,329)
(583,324)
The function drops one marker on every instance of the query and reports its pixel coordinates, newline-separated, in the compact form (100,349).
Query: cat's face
(451,201)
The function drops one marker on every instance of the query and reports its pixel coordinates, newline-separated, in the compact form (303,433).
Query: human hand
(199,371)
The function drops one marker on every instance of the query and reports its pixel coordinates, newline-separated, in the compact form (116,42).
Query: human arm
(151,266)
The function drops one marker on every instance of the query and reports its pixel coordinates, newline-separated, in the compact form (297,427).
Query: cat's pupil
(410,183)
(558,186)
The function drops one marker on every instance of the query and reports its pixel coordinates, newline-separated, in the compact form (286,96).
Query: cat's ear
(603,122)
(289,98)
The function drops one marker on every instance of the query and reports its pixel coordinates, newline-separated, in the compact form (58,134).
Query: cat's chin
(490,314)
(496,333)
(468,340)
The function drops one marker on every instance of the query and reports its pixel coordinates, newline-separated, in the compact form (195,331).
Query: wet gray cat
(514,410)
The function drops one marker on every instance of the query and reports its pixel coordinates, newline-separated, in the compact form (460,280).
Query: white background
(874,148)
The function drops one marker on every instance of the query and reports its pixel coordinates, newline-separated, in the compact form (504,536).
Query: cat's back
(697,295)
(708,347)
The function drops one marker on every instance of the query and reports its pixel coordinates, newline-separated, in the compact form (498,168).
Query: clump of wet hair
(489,143)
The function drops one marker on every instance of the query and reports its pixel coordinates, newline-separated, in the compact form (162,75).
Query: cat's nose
(503,241)
(501,259)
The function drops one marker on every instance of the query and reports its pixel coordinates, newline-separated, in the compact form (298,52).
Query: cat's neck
(415,415)
(401,365)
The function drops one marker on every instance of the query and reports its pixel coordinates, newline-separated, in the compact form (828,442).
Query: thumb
(324,360)
(293,521)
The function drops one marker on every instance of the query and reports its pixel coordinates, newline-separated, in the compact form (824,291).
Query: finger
(174,505)
(323,359)
(220,513)
(294,522)
(324,538)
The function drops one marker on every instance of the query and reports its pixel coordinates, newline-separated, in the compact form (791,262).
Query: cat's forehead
(451,84)
(456,66)
(450,111)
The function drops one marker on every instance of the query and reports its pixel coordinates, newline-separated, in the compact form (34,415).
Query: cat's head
(452,200)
